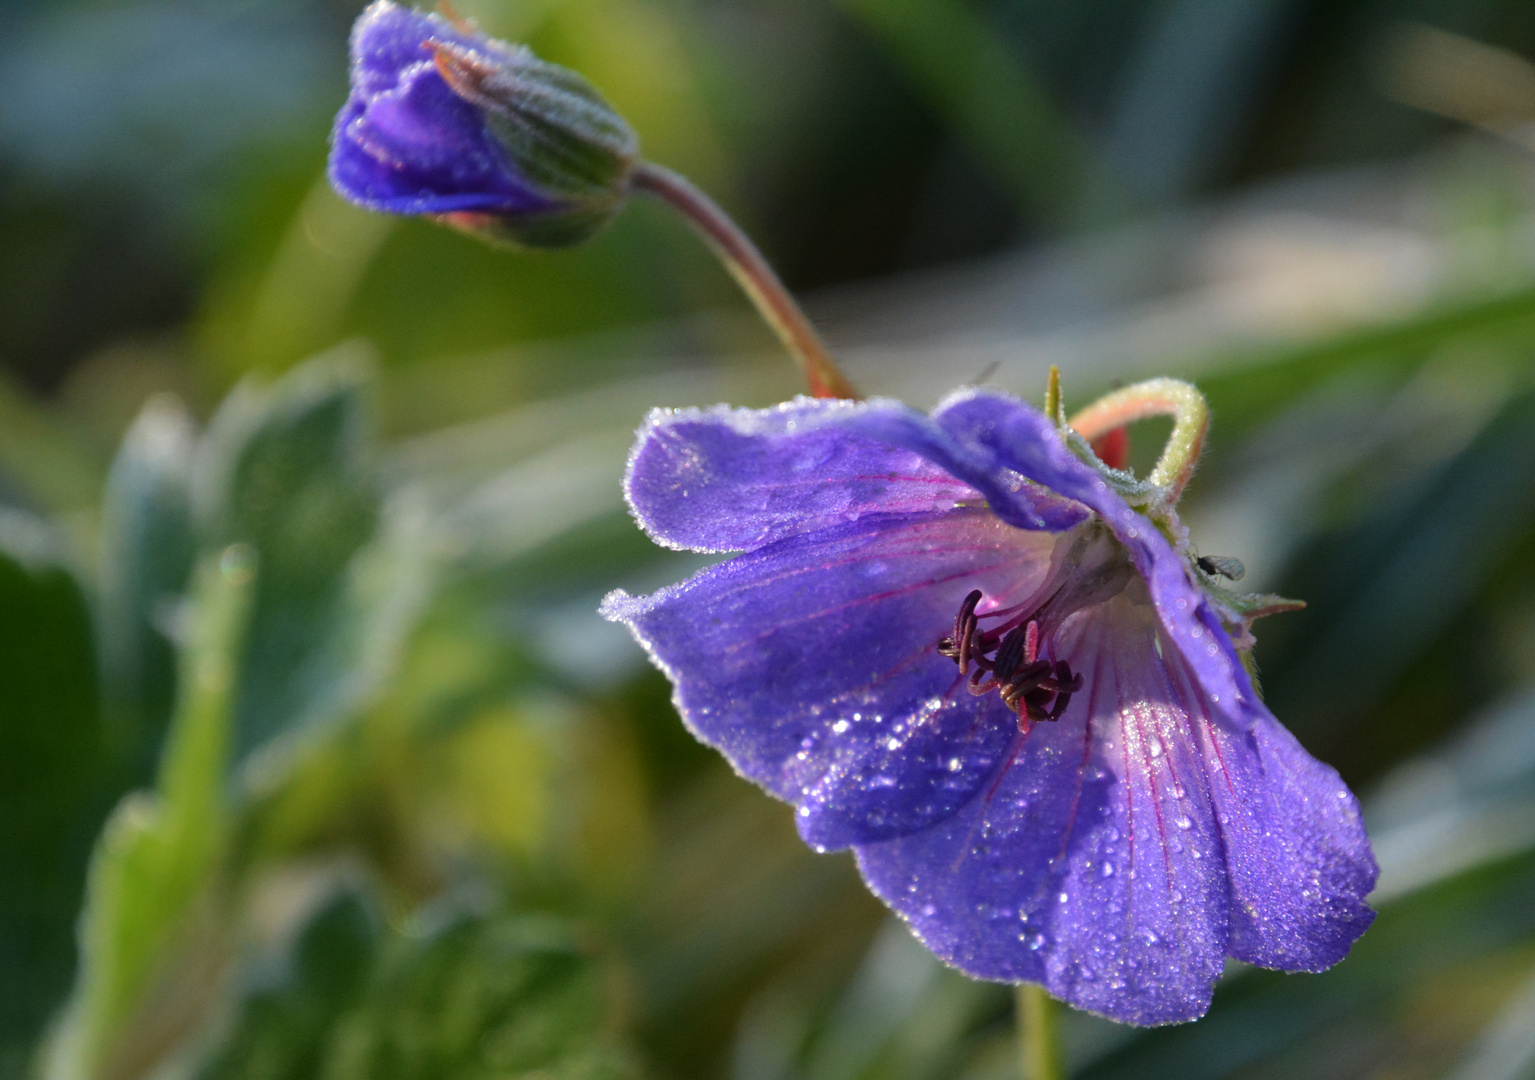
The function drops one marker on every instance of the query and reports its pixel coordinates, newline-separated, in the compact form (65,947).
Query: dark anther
(1046,695)
(1015,652)
(960,646)
(1034,688)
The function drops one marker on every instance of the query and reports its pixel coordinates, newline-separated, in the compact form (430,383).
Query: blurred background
(315,760)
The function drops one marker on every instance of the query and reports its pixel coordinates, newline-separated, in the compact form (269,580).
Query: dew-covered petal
(735,479)
(812,665)
(1023,440)
(1296,852)
(1094,867)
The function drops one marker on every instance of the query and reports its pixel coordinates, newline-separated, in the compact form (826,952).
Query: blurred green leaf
(152,953)
(146,558)
(51,765)
(282,1030)
(41,463)
(475,998)
(989,96)
(288,469)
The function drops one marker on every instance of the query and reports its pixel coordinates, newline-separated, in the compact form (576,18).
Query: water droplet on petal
(1108,869)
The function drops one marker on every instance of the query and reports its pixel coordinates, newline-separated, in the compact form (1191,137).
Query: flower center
(1015,656)
(1007,660)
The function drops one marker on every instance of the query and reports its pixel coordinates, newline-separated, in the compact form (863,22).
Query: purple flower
(954,648)
(445,122)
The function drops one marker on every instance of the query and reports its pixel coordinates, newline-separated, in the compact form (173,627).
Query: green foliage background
(315,760)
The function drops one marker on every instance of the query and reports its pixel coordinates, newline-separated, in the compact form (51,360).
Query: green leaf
(151,947)
(288,470)
(507,997)
(282,1030)
(146,559)
(51,761)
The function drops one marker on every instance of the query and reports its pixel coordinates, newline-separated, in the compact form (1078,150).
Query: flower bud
(445,122)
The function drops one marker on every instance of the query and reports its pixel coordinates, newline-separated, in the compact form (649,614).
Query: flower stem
(1155,397)
(1040,1053)
(752,273)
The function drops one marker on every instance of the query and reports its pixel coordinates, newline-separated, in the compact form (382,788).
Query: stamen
(1034,688)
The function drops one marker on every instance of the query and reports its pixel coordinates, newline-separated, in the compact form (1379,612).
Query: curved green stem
(1155,397)
(1039,1050)
(752,273)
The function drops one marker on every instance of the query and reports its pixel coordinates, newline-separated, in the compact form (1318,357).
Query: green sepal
(1247,606)
(568,144)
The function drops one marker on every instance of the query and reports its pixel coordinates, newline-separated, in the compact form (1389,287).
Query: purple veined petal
(1095,866)
(1024,440)
(1298,859)
(812,665)
(736,479)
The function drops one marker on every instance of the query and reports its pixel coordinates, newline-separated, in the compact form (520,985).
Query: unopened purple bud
(445,122)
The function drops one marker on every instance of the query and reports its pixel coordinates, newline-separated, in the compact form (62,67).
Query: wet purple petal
(1115,855)
(734,479)
(812,665)
(1298,858)
(1095,867)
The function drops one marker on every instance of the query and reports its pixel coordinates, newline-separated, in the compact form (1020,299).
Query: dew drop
(1064,897)
(841,726)
(1108,869)
(955,764)
(1156,747)
(1183,821)
(893,744)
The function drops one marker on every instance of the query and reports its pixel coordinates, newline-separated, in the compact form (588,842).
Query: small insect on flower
(1223,566)
(953,646)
